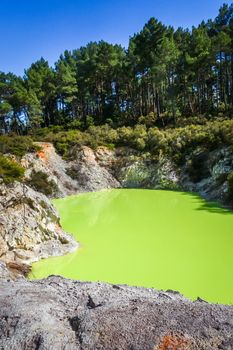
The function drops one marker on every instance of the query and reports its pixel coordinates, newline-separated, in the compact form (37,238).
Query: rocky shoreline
(29,226)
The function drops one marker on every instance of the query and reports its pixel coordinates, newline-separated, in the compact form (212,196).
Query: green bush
(148,120)
(157,141)
(101,135)
(72,172)
(17,145)
(173,142)
(10,171)
(65,140)
(40,182)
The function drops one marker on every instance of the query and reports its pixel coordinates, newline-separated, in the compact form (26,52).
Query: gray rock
(29,226)
(49,162)
(162,174)
(5,273)
(215,168)
(91,169)
(61,314)
(134,174)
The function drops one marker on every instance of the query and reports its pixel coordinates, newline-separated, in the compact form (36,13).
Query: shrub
(101,135)
(157,141)
(64,140)
(174,142)
(40,182)
(89,121)
(75,124)
(10,171)
(17,145)
(72,172)
(148,120)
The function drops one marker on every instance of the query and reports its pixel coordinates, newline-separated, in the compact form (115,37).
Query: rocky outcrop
(12,270)
(61,314)
(91,169)
(49,162)
(206,173)
(162,174)
(88,172)
(202,171)
(29,226)
(5,272)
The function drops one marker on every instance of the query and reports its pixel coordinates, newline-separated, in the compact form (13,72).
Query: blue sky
(30,29)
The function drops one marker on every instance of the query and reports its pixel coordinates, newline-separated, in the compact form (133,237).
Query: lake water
(160,239)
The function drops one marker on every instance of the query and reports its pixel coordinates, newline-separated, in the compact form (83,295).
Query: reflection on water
(161,239)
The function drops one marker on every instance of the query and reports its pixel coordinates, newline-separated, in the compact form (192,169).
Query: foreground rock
(29,226)
(63,314)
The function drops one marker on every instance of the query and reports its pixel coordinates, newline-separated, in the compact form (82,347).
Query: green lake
(160,239)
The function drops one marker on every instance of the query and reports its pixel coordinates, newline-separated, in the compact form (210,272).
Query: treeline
(163,75)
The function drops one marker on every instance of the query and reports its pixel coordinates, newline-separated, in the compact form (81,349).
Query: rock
(5,273)
(29,226)
(214,168)
(135,175)
(166,175)
(203,172)
(49,162)
(3,244)
(61,314)
(89,171)
(13,271)
(162,174)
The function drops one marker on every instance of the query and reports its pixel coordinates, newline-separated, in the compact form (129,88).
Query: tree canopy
(164,74)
